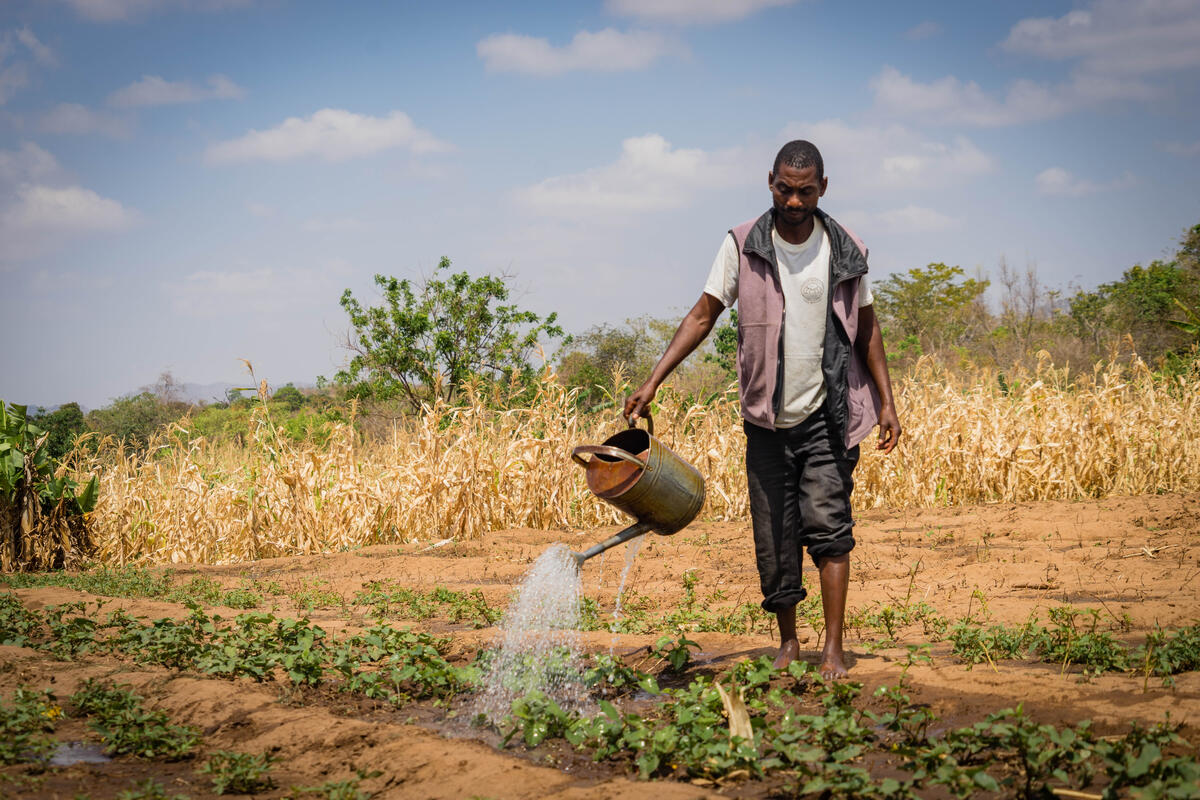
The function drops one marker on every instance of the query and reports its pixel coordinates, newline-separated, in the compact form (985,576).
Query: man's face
(795,192)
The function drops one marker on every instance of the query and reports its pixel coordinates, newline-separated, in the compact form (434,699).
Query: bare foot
(833,667)
(789,651)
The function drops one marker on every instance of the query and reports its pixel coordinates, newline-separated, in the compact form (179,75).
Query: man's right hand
(638,404)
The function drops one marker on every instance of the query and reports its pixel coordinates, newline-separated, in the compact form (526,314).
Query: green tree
(135,418)
(64,424)
(290,396)
(724,343)
(937,305)
(602,353)
(428,340)
(1144,304)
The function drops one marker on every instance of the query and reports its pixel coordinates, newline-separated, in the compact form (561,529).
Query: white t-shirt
(803,276)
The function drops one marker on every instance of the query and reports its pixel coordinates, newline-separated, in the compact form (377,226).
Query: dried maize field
(462,472)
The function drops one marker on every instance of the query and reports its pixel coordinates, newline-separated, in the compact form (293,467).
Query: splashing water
(540,647)
(631,551)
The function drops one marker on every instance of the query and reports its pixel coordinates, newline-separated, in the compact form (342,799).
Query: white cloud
(1058,182)
(72,209)
(41,53)
(1114,48)
(152,90)
(1116,37)
(16,46)
(72,118)
(923,30)
(910,219)
(116,10)
(260,210)
(915,219)
(39,207)
(332,134)
(1187,149)
(684,12)
(950,100)
(604,51)
(13,78)
(252,289)
(860,158)
(333,225)
(649,175)
(30,164)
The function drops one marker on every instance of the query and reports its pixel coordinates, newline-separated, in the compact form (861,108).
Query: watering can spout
(632,532)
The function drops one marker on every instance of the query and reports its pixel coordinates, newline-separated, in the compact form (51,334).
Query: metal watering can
(644,478)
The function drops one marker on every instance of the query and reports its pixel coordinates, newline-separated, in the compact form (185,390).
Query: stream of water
(631,551)
(540,646)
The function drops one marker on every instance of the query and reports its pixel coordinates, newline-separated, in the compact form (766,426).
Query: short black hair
(800,154)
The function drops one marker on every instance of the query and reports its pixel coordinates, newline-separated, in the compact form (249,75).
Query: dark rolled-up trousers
(800,483)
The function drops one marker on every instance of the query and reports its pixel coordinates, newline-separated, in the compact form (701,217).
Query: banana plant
(34,501)
(1191,325)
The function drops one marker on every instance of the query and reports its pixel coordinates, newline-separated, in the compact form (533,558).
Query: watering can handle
(649,422)
(603,450)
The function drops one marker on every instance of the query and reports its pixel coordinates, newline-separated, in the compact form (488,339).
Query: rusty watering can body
(643,477)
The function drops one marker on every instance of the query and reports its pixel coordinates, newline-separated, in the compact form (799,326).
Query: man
(813,381)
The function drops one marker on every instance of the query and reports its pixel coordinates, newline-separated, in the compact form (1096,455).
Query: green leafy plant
(536,717)
(1074,639)
(610,677)
(388,598)
(71,630)
(116,713)
(239,773)
(25,723)
(206,590)
(338,790)
(127,581)
(674,651)
(1167,653)
(19,626)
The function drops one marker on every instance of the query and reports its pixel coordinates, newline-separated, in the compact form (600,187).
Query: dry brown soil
(1132,557)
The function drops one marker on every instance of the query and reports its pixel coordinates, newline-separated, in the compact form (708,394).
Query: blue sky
(185,183)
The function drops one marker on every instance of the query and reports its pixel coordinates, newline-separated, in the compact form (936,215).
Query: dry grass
(467,470)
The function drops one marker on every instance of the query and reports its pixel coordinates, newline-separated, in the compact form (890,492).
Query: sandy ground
(1134,558)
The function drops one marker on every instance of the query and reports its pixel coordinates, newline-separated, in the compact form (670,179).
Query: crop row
(812,737)
(126,727)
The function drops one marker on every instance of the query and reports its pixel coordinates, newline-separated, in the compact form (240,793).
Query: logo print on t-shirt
(813,290)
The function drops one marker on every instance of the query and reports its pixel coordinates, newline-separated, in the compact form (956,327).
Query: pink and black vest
(850,393)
